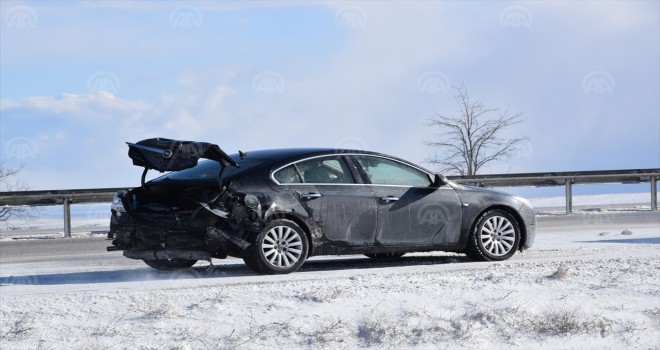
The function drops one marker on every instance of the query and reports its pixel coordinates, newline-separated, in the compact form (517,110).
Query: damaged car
(276,208)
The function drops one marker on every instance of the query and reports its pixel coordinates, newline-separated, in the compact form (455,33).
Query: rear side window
(383,171)
(288,175)
(323,170)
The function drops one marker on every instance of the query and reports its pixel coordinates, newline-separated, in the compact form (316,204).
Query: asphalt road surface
(85,253)
(52,249)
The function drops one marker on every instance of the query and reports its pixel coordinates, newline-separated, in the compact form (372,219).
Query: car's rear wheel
(495,237)
(385,256)
(170,264)
(281,247)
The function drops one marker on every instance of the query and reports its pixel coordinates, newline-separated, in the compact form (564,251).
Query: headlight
(117,205)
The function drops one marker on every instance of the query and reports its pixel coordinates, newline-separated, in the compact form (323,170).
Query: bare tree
(471,139)
(8,183)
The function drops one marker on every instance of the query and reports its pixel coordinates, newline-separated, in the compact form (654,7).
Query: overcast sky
(79,78)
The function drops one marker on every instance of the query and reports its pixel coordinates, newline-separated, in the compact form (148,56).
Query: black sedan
(276,208)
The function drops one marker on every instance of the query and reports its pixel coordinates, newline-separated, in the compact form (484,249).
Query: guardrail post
(569,196)
(67,218)
(654,193)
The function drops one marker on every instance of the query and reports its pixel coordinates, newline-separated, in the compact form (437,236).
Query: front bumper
(529,218)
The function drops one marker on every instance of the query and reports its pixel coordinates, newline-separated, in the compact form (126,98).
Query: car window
(287,175)
(383,171)
(322,170)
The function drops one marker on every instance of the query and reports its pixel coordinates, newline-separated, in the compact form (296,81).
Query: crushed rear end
(169,223)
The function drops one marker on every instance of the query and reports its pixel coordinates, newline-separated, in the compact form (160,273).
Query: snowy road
(46,249)
(583,285)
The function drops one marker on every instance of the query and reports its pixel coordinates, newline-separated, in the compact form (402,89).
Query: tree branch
(7,183)
(470,139)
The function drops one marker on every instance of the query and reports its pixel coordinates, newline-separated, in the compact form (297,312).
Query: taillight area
(117,205)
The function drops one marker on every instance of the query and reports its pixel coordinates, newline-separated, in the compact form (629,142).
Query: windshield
(209,170)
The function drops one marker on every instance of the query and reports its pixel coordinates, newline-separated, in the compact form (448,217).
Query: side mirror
(439,181)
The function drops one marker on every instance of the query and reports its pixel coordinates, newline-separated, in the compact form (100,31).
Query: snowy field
(586,284)
(94,216)
(594,200)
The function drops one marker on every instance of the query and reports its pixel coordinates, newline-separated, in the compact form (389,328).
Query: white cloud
(202,108)
(85,134)
(102,105)
(613,17)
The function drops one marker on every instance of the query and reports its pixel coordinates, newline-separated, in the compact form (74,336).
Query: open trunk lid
(171,155)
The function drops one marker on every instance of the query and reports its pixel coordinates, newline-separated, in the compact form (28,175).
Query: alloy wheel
(498,235)
(282,246)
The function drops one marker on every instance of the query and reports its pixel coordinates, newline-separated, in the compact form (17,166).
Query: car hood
(480,189)
(171,155)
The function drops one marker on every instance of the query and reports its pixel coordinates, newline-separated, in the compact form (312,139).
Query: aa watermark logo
(524,149)
(21,148)
(351,17)
(516,17)
(176,151)
(432,215)
(348,143)
(103,82)
(268,83)
(598,82)
(98,215)
(184,274)
(19,281)
(21,17)
(186,17)
(433,82)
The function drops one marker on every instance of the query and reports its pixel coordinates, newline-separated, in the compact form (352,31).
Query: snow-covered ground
(595,200)
(593,204)
(589,285)
(90,216)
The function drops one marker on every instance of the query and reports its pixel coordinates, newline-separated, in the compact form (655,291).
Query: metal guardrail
(567,179)
(560,178)
(54,197)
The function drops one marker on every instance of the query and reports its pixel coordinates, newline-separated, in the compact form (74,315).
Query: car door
(410,212)
(341,206)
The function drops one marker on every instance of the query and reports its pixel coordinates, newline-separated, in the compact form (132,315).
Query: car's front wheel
(281,247)
(495,236)
(170,264)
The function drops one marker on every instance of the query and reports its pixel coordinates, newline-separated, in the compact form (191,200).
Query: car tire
(281,247)
(171,264)
(495,237)
(385,256)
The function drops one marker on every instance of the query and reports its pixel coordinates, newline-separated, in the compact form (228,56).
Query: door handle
(311,195)
(388,199)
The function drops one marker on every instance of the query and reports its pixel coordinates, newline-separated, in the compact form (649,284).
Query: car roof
(285,155)
(288,153)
